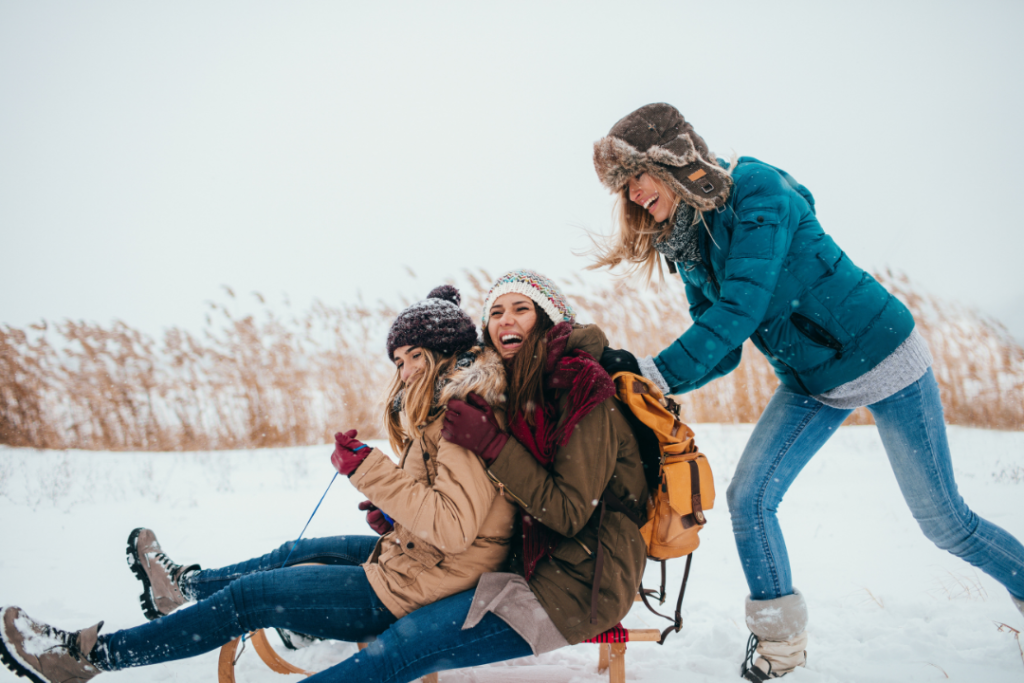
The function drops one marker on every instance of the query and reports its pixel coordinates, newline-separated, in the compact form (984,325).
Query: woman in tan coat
(443,524)
(569,446)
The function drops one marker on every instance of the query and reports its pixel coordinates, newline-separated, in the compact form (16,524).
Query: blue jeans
(333,601)
(428,640)
(794,427)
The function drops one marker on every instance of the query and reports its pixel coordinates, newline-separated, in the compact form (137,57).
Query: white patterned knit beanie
(540,289)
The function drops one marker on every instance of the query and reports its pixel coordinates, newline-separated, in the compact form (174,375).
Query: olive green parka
(602,453)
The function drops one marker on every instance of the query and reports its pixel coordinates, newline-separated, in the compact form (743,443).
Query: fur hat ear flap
(616,161)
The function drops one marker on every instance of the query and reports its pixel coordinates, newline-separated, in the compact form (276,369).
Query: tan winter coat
(451,524)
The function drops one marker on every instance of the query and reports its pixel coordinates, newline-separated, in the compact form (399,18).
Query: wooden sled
(276,663)
(611,656)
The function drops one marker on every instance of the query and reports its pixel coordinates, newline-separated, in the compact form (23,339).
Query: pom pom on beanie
(436,323)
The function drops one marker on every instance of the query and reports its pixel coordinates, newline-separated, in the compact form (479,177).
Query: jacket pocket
(816,333)
(409,558)
(571,551)
(418,549)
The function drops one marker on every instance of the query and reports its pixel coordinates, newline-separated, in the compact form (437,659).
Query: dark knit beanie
(436,323)
(656,139)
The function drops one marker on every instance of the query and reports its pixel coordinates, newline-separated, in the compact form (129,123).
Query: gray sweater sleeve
(896,372)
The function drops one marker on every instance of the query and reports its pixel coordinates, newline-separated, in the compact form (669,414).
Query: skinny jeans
(910,422)
(333,601)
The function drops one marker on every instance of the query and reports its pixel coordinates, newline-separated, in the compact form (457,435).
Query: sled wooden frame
(611,656)
(276,663)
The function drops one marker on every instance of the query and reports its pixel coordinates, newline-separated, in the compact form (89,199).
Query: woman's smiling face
(652,194)
(512,317)
(410,362)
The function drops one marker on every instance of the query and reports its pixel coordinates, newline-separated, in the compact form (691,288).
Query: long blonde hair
(417,398)
(633,242)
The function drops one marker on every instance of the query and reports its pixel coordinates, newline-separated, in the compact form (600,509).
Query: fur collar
(484,376)
(478,370)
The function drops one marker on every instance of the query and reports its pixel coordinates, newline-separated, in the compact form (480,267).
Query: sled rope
(285,563)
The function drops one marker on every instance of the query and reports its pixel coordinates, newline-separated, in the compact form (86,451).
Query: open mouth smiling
(650,202)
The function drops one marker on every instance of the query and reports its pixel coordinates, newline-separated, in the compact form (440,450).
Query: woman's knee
(950,531)
(742,496)
(249,597)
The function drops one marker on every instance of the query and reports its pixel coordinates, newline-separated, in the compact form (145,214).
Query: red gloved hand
(375,518)
(472,425)
(346,458)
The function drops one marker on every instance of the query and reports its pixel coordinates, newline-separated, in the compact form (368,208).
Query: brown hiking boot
(44,654)
(159,575)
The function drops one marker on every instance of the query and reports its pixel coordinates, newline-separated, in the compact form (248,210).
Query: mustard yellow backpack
(678,477)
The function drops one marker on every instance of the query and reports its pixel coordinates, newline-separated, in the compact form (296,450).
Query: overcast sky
(152,152)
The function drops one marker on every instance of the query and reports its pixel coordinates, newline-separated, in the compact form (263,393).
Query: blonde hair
(417,398)
(633,242)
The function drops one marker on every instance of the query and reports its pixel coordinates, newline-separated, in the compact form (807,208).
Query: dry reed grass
(272,380)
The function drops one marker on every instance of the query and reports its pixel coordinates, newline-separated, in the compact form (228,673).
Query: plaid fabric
(616,634)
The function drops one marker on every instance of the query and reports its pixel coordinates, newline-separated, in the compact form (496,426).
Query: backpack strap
(677,623)
(698,508)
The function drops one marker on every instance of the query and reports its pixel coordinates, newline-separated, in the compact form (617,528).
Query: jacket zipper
(503,489)
(718,288)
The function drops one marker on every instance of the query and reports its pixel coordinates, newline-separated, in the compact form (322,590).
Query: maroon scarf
(588,385)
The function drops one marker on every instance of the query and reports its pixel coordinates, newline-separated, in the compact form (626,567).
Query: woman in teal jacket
(757,265)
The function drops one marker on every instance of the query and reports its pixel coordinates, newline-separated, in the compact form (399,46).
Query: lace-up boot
(161,578)
(45,654)
(778,638)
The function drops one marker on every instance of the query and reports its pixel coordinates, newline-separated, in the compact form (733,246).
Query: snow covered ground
(885,604)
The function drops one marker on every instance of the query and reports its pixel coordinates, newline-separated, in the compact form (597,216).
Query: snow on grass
(885,604)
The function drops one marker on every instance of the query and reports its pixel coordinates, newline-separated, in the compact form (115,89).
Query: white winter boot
(778,636)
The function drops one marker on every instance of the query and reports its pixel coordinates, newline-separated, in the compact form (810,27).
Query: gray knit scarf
(681,245)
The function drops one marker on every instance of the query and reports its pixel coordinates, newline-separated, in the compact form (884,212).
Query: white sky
(152,152)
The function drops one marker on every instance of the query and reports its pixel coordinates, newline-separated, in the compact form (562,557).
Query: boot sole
(146,601)
(10,659)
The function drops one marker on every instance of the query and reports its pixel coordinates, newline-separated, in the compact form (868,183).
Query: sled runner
(611,654)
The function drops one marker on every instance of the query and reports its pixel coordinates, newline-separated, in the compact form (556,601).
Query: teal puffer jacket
(771,274)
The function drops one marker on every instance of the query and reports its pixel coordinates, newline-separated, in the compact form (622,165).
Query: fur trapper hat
(657,139)
(436,323)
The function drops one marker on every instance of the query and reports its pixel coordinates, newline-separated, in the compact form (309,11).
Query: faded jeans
(794,427)
(334,601)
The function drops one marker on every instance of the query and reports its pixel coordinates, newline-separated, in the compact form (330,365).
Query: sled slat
(271,658)
(226,663)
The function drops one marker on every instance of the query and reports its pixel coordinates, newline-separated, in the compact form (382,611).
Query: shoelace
(67,640)
(748,660)
(167,564)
